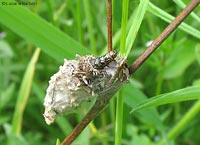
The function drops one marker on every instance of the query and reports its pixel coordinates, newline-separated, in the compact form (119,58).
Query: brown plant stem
(109,20)
(164,35)
(97,108)
(94,111)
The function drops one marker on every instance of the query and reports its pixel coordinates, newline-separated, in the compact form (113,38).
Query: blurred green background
(63,28)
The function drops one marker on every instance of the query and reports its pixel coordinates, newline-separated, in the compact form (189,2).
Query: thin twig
(109,19)
(97,108)
(94,111)
(168,30)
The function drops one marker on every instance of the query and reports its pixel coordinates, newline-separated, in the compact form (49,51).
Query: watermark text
(5,3)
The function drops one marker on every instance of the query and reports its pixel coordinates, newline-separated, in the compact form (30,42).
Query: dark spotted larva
(101,62)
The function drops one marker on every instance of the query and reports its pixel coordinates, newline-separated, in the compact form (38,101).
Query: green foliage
(39,32)
(62,29)
(24,93)
(57,142)
(185,94)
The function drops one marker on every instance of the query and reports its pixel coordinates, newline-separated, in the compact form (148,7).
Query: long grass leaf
(57,142)
(90,24)
(6,96)
(192,112)
(181,4)
(169,18)
(183,123)
(119,118)
(39,32)
(23,95)
(189,93)
(136,22)
(119,112)
(132,97)
(79,21)
(124,27)
(132,24)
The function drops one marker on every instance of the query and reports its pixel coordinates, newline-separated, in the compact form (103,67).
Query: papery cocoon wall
(83,80)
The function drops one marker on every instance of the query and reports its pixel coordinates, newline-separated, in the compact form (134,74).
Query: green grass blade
(185,94)
(6,96)
(169,18)
(57,142)
(185,120)
(39,32)
(64,125)
(175,65)
(84,137)
(136,22)
(79,21)
(183,123)
(90,25)
(132,97)
(197,52)
(119,118)
(23,95)
(133,27)
(123,27)
(181,4)
(58,13)
(12,139)
(119,111)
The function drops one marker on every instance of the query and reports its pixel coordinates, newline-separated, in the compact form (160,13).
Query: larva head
(113,54)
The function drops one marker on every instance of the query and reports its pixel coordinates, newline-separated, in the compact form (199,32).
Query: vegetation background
(62,28)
